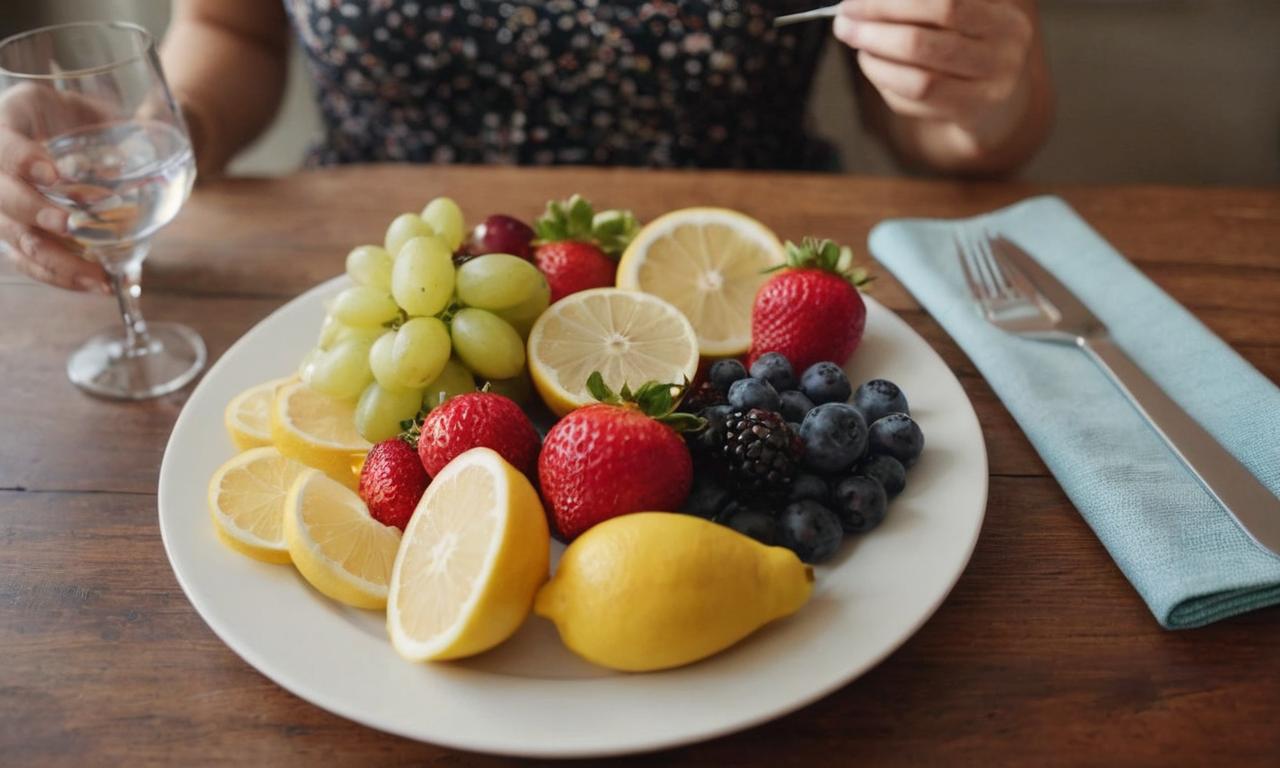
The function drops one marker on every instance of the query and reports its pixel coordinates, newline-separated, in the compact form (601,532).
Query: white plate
(531,696)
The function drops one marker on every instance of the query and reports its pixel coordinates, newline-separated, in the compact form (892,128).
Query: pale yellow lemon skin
(246,542)
(655,590)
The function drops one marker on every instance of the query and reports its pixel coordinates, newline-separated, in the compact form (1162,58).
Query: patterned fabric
(672,84)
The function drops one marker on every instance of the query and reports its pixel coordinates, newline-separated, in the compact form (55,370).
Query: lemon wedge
(248,415)
(709,263)
(472,558)
(318,431)
(630,337)
(338,548)
(246,501)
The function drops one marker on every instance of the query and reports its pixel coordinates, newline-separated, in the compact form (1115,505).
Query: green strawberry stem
(654,399)
(575,219)
(826,255)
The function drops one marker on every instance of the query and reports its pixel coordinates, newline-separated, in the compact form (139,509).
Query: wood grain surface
(1042,655)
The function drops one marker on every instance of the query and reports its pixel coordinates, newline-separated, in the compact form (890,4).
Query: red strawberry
(576,247)
(811,311)
(572,266)
(478,419)
(392,481)
(622,455)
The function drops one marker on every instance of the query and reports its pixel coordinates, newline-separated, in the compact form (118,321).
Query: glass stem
(124,270)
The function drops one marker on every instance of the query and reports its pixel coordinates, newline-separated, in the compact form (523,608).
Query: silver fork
(1019,296)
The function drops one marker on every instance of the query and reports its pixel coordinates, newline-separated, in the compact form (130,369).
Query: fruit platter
(580,485)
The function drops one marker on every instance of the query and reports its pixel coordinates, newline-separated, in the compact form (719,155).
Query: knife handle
(1253,506)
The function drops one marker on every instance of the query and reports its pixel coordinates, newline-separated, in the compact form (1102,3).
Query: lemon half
(629,337)
(709,263)
(472,557)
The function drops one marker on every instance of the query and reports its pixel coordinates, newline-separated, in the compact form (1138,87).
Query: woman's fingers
(923,93)
(941,50)
(45,258)
(24,205)
(24,158)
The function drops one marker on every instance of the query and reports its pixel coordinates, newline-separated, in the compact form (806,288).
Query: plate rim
(304,690)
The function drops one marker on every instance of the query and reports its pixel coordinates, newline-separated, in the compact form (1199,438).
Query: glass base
(172,359)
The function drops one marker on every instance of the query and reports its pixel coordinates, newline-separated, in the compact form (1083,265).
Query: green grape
(523,315)
(498,281)
(380,411)
(487,344)
(423,276)
(454,380)
(519,388)
(343,371)
(308,365)
(445,217)
(420,352)
(404,228)
(380,360)
(370,265)
(364,307)
(332,332)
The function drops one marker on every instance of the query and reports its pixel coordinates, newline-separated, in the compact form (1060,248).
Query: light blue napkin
(1178,548)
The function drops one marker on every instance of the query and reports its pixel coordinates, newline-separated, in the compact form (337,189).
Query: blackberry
(702,396)
(761,452)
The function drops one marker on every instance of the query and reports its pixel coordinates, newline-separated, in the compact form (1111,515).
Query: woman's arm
(226,62)
(955,86)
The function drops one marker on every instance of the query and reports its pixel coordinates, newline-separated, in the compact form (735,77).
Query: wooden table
(1043,653)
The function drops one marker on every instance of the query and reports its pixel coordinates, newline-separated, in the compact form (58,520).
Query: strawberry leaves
(654,399)
(575,219)
(827,255)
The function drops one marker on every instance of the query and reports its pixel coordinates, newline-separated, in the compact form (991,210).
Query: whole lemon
(654,590)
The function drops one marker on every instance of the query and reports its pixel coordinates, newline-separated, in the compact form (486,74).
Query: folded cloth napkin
(1180,550)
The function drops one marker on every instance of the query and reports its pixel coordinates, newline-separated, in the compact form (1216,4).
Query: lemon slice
(709,263)
(318,431)
(630,337)
(472,558)
(246,501)
(248,415)
(336,545)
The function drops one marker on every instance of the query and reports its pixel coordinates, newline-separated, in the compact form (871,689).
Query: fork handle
(1253,506)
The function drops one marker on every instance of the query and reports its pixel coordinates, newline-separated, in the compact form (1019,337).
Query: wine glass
(94,95)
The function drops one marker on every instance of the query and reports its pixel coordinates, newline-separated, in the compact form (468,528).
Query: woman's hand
(965,66)
(32,228)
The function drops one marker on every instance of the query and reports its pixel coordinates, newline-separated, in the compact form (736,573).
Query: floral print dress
(693,83)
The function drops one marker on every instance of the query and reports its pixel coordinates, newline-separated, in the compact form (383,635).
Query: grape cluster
(417,328)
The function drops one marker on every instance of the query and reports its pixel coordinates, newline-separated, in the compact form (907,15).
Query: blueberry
(879,398)
(807,486)
(810,530)
(724,372)
(890,473)
(746,394)
(834,437)
(898,436)
(825,383)
(707,497)
(755,523)
(860,503)
(774,368)
(794,405)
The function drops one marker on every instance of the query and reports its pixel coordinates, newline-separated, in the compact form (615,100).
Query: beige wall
(1183,91)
